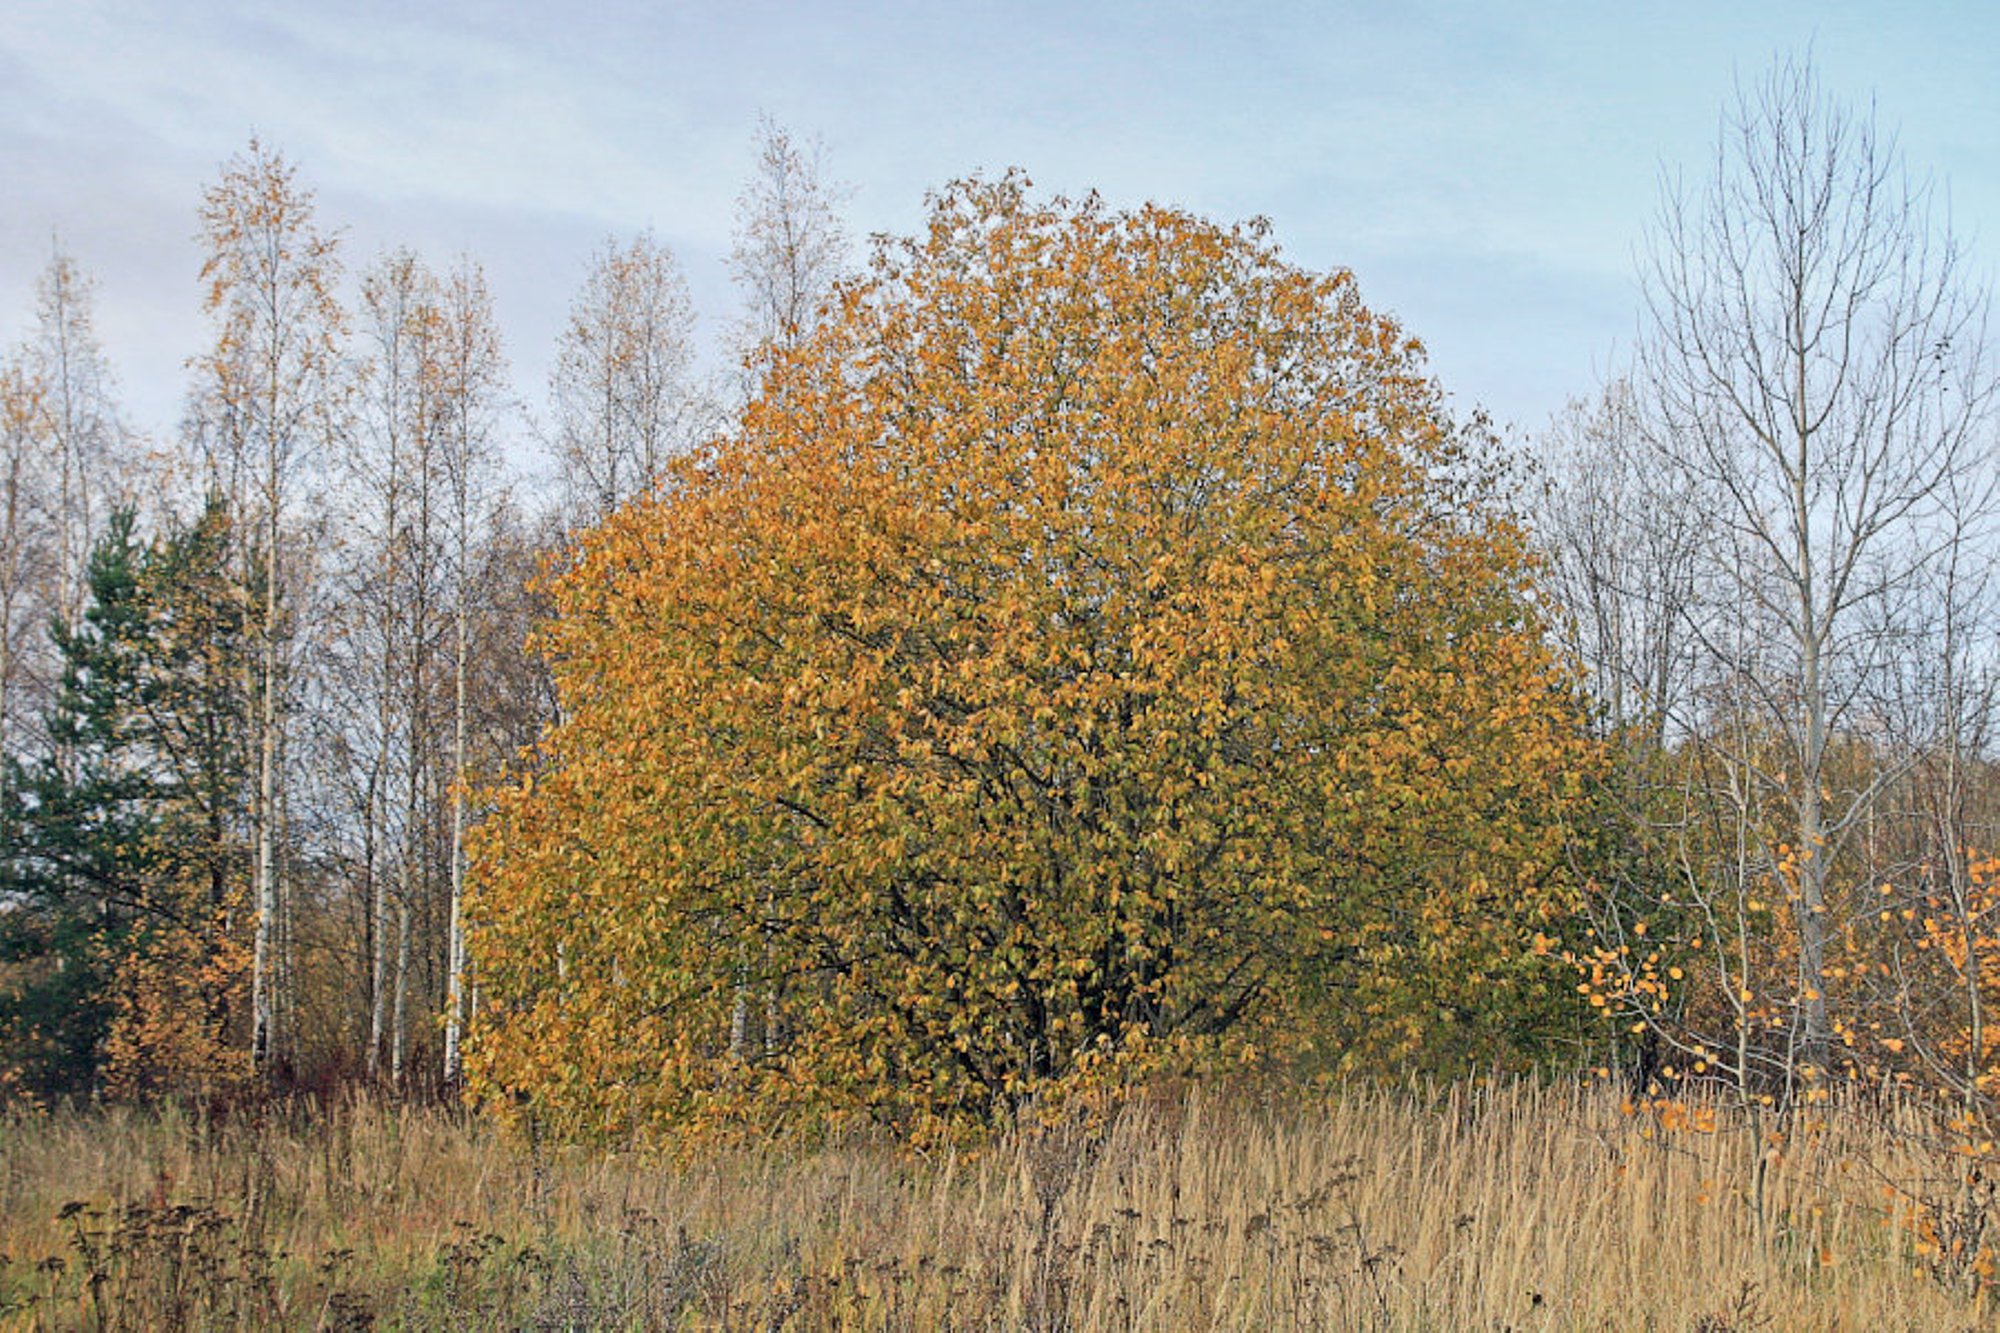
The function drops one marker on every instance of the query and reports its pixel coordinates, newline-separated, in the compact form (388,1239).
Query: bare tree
(1619,542)
(25,567)
(623,399)
(83,430)
(61,474)
(1816,372)
(790,246)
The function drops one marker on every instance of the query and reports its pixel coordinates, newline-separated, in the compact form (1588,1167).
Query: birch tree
(391,490)
(623,398)
(58,477)
(471,376)
(790,244)
(269,387)
(83,432)
(24,603)
(423,473)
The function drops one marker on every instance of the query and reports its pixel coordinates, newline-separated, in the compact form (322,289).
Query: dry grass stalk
(1473,1208)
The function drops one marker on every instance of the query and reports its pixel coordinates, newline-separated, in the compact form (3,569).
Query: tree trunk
(399,1034)
(263,1000)
(454,1004)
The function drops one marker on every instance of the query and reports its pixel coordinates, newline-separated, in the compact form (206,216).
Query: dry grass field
(1500,1208)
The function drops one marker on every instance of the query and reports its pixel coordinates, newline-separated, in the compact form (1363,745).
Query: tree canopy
(1096,651)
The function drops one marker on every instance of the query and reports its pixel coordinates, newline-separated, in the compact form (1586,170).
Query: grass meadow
(1505,1207)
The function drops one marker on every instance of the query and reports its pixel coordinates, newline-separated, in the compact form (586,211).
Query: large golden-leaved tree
(1094,653)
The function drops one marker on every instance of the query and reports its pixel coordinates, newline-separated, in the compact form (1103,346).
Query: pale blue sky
(1486,170)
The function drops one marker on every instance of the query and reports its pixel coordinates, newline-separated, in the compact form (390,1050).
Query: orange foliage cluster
(179,1005)
(1913,980)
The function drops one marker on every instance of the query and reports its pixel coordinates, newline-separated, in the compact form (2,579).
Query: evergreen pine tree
(122,895)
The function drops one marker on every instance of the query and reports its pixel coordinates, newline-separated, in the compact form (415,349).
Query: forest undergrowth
(1468,1207)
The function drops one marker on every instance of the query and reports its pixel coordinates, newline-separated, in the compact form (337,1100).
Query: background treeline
(250,669)
(249,674)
